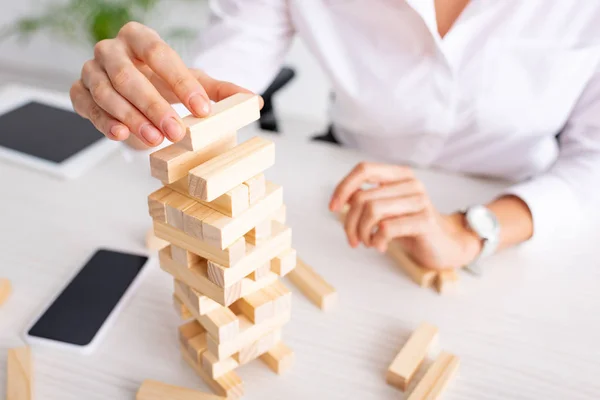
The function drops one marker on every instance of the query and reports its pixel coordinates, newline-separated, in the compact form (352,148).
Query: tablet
(51,139)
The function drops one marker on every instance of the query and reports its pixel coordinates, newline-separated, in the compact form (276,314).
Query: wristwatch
(484,223)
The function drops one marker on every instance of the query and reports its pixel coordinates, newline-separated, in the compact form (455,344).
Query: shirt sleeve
(560,198)
(246,41)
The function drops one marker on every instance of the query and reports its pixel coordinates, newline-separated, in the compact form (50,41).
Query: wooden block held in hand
(227,170)
(19,375)
(256,187)
(5,290)
(155,390)
(156,204)
(173,162)
(437,378)
(284,262)
(280,358)
(313,286)
(408,360)
(226,116)
(446,281)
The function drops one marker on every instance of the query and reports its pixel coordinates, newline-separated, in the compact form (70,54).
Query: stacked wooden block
(228,245)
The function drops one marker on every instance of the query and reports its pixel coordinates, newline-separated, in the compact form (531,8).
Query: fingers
(86,107)
(219,90)
(97,82)
(147,46)
(367,173)
(397,227)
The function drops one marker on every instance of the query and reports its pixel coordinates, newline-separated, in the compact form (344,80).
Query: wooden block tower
(228,245)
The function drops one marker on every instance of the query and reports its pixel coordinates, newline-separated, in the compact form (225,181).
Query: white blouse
(487,99)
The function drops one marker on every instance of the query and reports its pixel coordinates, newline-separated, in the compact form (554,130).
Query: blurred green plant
(86,22)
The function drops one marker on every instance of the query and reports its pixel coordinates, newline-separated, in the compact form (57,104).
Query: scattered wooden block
(173,162)
(226,116)
(257,187)
(258,348)
(220,230)
(182,311)
(19,376)
(155,390)
(5,290)
(279,358)
(232,203)
(437,378)
(284,262)
(255,257)
(153,242)
(257,307)
(183,256)
(408,360)
(227,257)
(260,272)
(313,286)
(156,204)
(196,277)
(229,385)
(281,215)
(222,173)
(446,281)
(216,368)
(422,276)
(249,333)
(259,233)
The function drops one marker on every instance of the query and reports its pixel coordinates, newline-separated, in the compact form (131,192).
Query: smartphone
(78,317)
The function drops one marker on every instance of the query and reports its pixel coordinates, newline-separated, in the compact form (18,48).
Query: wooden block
(220,230)
(182,311)
(313,286)
(284,262)
(196,346)
(257,187)
(226,116)
(281,214)
(279,358)
(259,233)
(446,281)
(229,385)
(156,205)
(260,272)
(216,368)
(153,242)
(173,162)
(193,220)
(408,360)
(226,257)
(19,375)
(257,307)
(175,204)
(222,173)
(155,390)
(281,297)
(437,378)
(182,256)
(255,257)
(249,333)
(232,203)
(258,348)
(189,330)
(196,277)
(196,301)
(5,290)
(422,276)
(222,324)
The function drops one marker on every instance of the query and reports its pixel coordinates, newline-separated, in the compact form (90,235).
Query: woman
(477,87)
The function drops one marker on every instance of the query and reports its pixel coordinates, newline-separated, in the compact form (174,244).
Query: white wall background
(49,63)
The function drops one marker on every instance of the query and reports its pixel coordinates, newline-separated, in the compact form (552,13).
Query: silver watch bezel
(490,237)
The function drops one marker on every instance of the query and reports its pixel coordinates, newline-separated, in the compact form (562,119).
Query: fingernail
(151,134)
(200,105)
(118,131)
(172,129)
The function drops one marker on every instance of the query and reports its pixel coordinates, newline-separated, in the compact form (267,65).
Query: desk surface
(528,329)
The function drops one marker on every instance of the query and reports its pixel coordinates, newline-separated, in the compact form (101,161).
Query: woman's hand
(130,84)
(397,207)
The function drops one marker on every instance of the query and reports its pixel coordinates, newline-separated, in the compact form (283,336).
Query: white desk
(528,329)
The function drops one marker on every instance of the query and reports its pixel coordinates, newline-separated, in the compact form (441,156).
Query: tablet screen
(46,132)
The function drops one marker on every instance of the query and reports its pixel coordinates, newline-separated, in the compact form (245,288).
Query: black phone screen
(80,310)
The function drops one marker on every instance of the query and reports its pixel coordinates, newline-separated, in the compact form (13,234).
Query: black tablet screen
(46,132)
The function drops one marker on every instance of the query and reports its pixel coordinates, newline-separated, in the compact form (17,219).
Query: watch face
(482,221)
